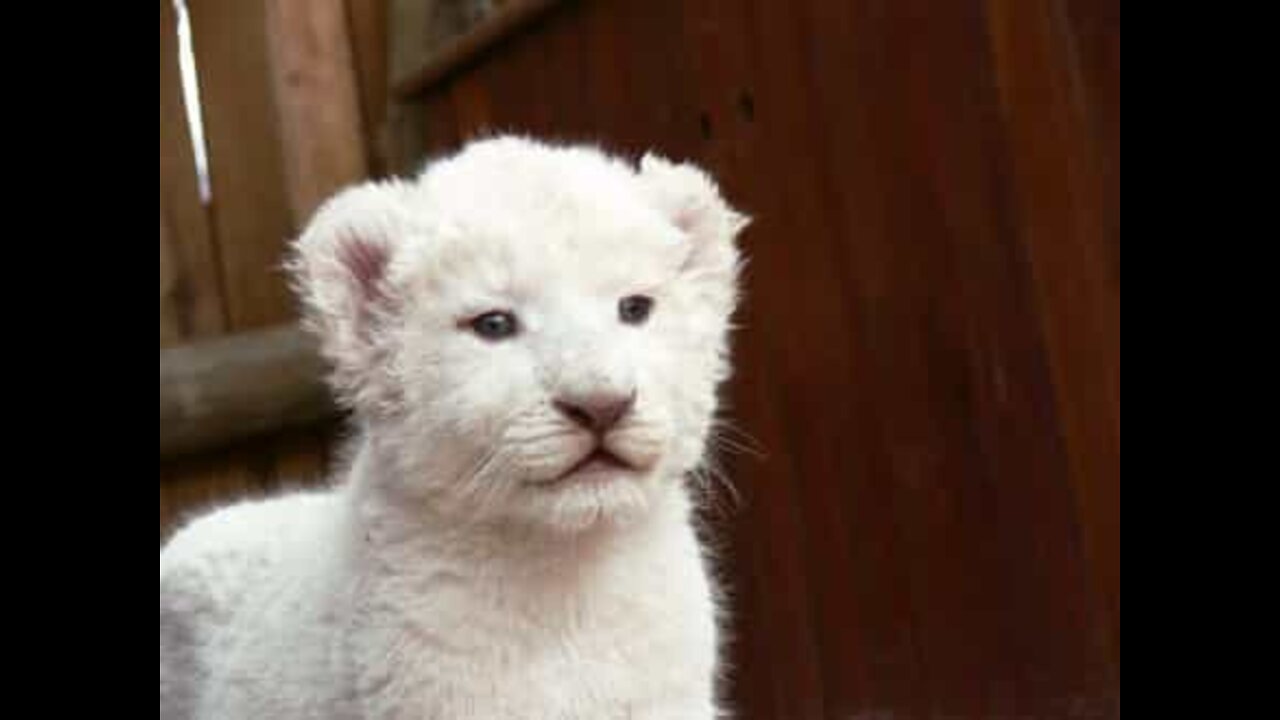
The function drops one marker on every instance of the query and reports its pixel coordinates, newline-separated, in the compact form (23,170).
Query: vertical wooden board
(1094,28)
(170,323)
(317,101)
(250,207)
(1057,637)
(469,96)
(440,132)
(608,99)
(367,20)
(798,280)
(948,661)
(786,129)
(1035,600)
(899,129)
(649,88)
(910,331)
(1062,222)
(776,661)
(1093,42)
(191,303)
(565,68)
(519,81)
(720,79)
(406,133)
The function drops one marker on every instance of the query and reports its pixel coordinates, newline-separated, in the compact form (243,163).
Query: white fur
(450,576)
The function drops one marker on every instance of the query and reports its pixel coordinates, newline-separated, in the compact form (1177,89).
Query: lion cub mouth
(600,461)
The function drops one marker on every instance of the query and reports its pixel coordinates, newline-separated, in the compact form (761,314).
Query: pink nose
(596,413)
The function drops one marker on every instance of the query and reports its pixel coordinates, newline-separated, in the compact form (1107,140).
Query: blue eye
(496,325)
(635,309)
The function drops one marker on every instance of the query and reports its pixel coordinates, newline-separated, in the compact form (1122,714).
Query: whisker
(713,482)
(749,443)
(720,442)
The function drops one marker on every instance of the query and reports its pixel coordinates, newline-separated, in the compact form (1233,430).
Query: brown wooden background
(293,97)
(931,347)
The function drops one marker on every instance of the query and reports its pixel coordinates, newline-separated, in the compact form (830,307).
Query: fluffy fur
(455,573)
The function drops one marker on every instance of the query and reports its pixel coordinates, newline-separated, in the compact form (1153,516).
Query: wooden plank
(752,52)
(250,208)
(193,485)
(774,630)
(228,389)
(1094,30)
(415,70)
(170,324)
(407,33)
(831,445)
(191,303)
(470,100)
(988,370)
(419,29)
(407,129)
(939,649)
(1063,221)
(317,101)
(367,21)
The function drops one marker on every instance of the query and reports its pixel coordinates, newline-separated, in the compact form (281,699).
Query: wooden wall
(293,97)
(931,345)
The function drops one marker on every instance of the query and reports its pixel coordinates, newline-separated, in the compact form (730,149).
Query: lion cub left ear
(690,199)
(340,270)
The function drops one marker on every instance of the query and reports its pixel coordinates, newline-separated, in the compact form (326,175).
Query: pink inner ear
(686,218)
(367,263)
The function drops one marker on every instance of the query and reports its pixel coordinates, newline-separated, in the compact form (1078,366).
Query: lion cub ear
(339,267)
(691,201)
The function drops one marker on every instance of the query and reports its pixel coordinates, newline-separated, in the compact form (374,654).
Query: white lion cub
(530,339)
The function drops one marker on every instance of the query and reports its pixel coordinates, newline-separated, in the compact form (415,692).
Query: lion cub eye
(635,309)
(496,325)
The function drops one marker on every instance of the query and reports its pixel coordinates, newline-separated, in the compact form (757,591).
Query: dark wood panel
(1067,216)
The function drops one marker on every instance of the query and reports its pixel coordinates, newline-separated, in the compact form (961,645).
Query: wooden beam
(219,391)
(436,66)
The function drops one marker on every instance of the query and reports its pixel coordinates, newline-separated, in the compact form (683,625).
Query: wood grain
(317,100)
(367,21)
(191,293)
(250,213)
